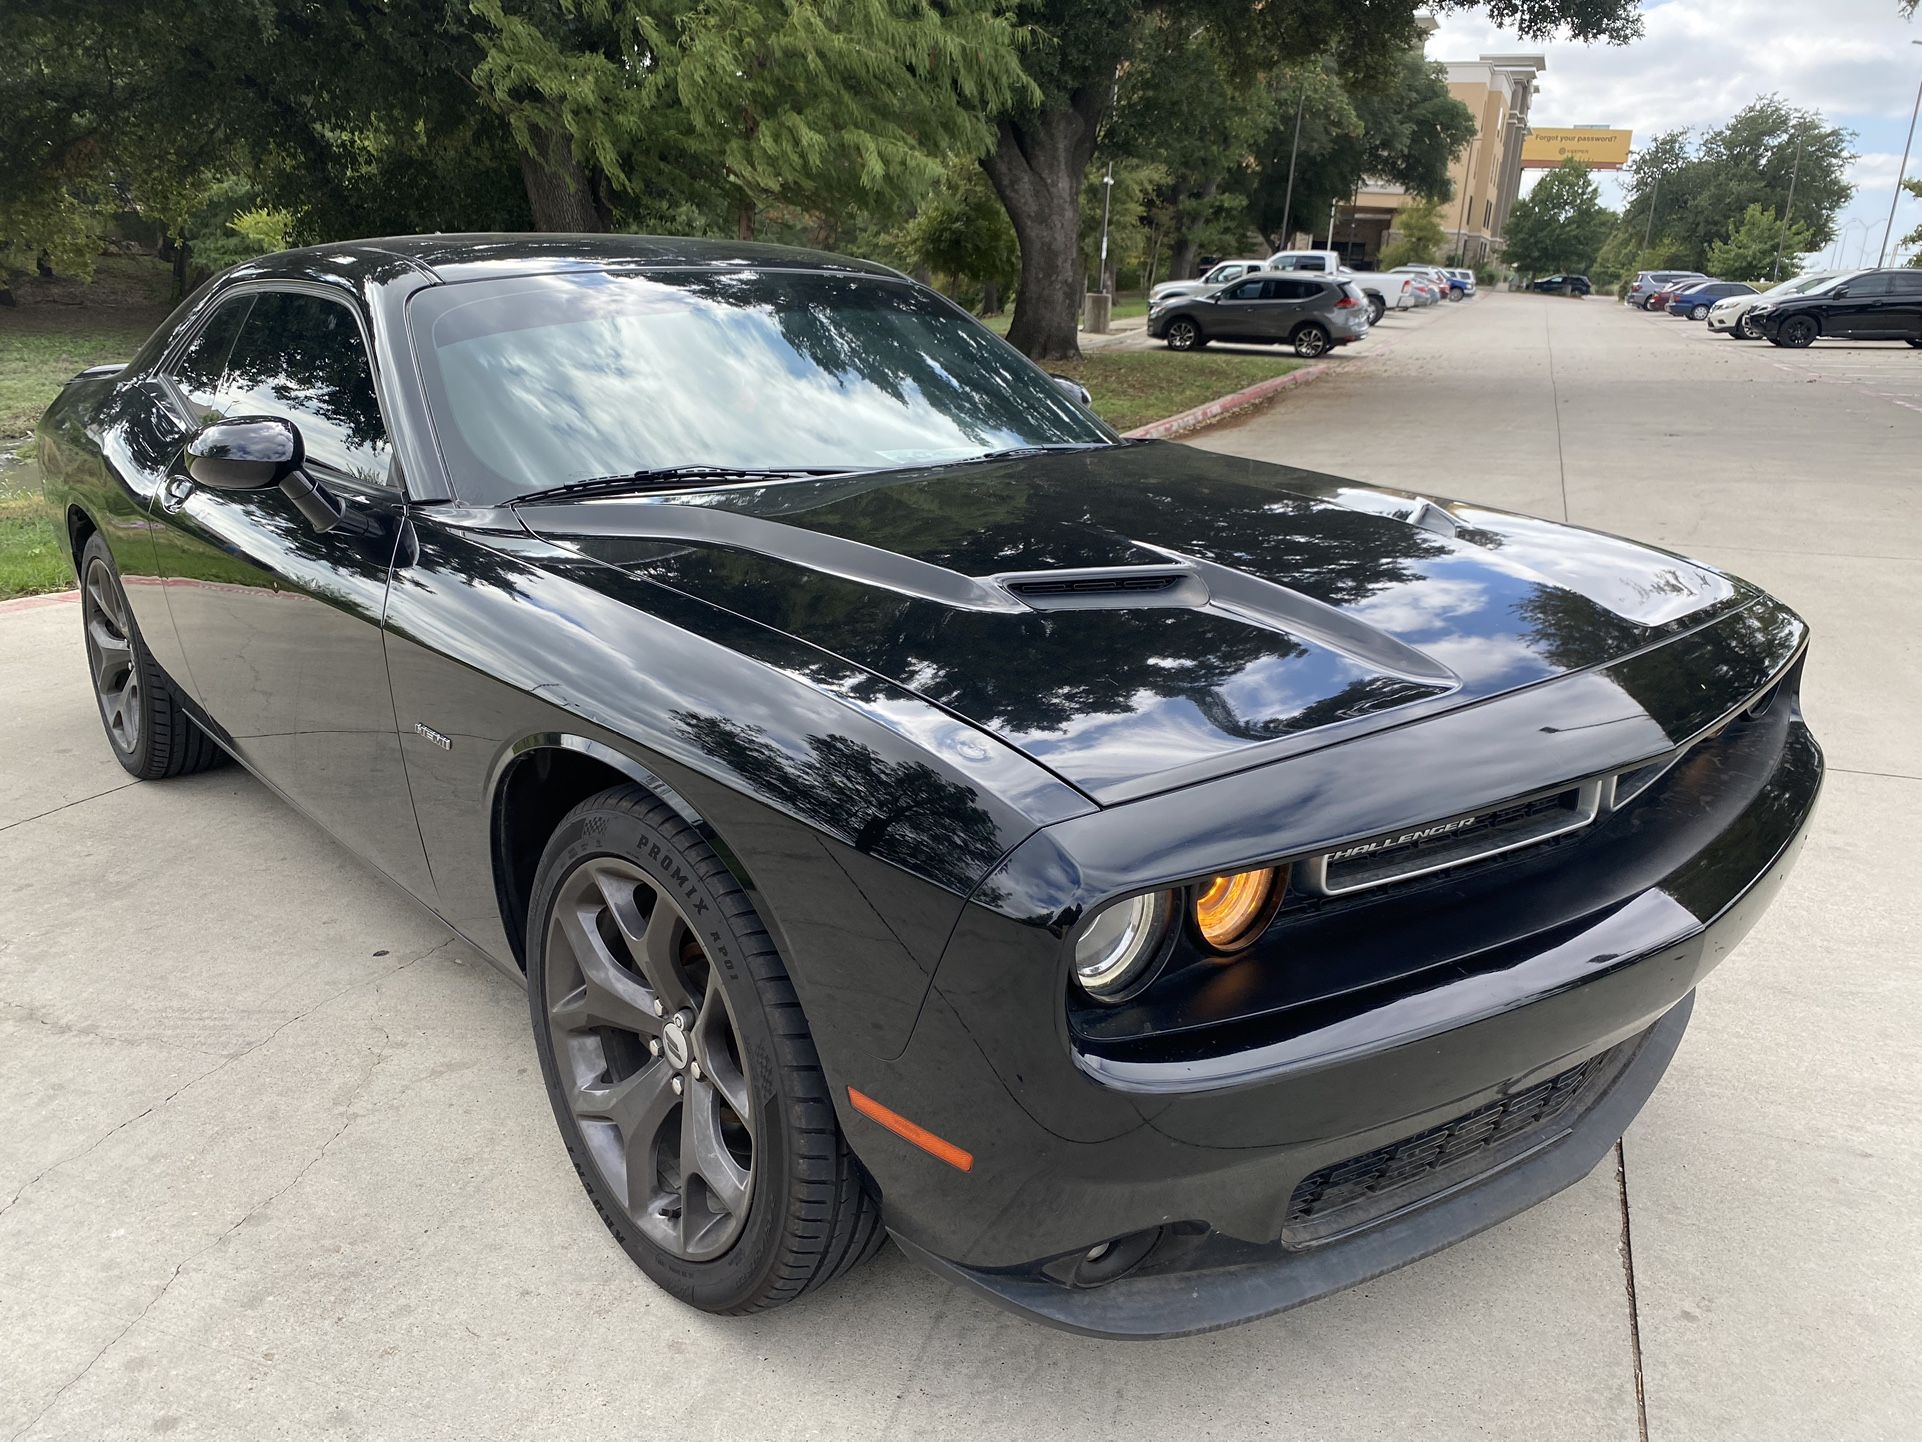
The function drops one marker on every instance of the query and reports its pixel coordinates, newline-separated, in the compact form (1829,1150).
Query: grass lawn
(58,328)
(1131,388)
(1127,304)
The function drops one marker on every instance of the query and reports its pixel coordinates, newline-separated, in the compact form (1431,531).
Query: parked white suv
(1727,314)
(1383,290)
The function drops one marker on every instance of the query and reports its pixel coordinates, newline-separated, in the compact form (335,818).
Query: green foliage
(1914,237)
(962,235)
(1697,194)
(1758,245)
(1560,225)
(1134,184)
(1419,236)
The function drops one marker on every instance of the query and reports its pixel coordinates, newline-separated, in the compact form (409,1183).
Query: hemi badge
(446,743)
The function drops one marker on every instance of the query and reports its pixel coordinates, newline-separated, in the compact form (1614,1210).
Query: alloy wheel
(110,658)
(650,1058)
(1182,335)
(1310,341)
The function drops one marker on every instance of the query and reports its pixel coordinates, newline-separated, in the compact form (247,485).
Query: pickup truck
(1383,290)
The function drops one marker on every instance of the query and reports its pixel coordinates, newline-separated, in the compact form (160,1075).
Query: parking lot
(279,1160)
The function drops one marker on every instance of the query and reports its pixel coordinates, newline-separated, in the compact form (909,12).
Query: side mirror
(250,454)
(1072,389)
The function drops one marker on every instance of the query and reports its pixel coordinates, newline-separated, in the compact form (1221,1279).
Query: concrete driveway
(277,1160)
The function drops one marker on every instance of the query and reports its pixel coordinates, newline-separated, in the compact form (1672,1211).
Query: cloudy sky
(1699,61)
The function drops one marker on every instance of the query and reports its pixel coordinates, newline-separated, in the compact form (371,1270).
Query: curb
(1222,406)
(34,603)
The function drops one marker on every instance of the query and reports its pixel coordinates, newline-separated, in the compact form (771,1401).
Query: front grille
(1366,1188)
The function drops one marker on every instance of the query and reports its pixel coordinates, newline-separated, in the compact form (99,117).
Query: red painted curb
(1221,406)
(33,603)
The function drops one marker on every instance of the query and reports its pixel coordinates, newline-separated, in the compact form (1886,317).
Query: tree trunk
(1036,167)
(1181,265)
(744,223)
(991,297)
(559,190)
(181,253)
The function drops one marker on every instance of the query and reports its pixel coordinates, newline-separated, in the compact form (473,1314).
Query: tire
(1746,329)
(1310,341)
(1377,308)
(1796,332)
(1184,334)
(1736,332)
(1453,294)
(140,707)
(1699,312)
(1912,340)
(708,1050)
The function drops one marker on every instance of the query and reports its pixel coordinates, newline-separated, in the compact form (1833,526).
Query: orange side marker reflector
(934,1146)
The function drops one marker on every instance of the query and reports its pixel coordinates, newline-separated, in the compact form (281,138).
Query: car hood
(1142,615)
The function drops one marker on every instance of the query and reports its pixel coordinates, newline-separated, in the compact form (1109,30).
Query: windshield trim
(409,324)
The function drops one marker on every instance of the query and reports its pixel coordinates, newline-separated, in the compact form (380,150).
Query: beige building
(1498,90)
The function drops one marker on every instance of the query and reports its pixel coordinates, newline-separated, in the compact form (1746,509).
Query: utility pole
(1901,171)
(1788,211)
(1288,200)
(1107,194)
(1654,195)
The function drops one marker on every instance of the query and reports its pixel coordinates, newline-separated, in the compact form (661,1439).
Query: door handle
(174,494)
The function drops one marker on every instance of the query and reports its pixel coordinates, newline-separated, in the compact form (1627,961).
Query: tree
(1419,236)
(961,233)
(1081,51)
(1914,237)
(1560,224)
(1697,196)
(1757,245)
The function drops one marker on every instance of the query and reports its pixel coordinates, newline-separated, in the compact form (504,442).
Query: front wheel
(141,710)
(680,1068)
(1184,335)
(1796,332)
(1912,340)
(1311,341)
(1746,329)
(1699,312)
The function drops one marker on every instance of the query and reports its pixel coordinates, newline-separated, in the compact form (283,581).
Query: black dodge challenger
(1156,888)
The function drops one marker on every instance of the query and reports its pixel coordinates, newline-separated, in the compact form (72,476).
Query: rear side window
(198,370)
(301,356)
(1906,282)
(1292,289)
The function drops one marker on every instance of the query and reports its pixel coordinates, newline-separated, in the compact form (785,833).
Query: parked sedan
(1648,282)
(1158,888)
(1309,312)
(1869,305)
(1661,299)
(1221,274)
(1730,316)
(1562,285)
(1693,302)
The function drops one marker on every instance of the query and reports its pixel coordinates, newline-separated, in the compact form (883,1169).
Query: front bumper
(1192,1167)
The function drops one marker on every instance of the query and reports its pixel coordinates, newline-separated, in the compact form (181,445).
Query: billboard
(1596,147)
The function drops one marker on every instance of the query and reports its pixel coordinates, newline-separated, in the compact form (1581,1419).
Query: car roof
(472,256)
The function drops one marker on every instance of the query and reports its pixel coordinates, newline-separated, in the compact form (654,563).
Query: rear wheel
(139,706)
(1184,334)
(1377,308)
(1699,312)
(1795,332)
(1915,342)
(1310,341)
(680,1068)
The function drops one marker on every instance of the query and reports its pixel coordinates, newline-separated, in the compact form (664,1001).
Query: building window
(1488,215)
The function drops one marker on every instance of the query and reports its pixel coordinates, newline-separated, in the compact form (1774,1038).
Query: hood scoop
(1106,588)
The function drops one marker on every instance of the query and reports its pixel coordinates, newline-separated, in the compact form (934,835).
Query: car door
(1905,305)
(1859,310)
(279,622)
(1238,312)
(1287,303)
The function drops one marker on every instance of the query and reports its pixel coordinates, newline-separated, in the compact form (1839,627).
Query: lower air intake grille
(1095,586)
(1366,1188)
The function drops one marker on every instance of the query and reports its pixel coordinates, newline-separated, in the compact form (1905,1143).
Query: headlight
(1231,911)
(1118,944)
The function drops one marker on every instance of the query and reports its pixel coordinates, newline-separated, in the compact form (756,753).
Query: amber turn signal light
(1231,911)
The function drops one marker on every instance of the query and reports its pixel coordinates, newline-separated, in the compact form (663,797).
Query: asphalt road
(276,1159)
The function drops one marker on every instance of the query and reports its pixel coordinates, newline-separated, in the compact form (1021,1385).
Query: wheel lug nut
(694,1070)
(654,1046)
(678,1086)
(660,1007)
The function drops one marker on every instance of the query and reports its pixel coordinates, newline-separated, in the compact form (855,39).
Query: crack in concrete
(348,1118)
(1634,1307)
(215,1070)
(65,1028)
(67,805)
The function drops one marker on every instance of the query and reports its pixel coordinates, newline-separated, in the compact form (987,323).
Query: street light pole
(1288,201)
(1107,194)
(1788,211)
(1896,199)
(1654,195)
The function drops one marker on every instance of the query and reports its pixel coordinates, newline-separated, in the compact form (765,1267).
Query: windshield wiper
(1016,452)
(671,477)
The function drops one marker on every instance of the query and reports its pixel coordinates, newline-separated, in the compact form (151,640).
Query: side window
(1292,289)
(198,369)
(1870,285)
(1907,282)
(301,356)
(1247,290)
(1313,262)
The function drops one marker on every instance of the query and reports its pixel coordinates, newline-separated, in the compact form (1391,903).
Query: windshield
(541,381)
